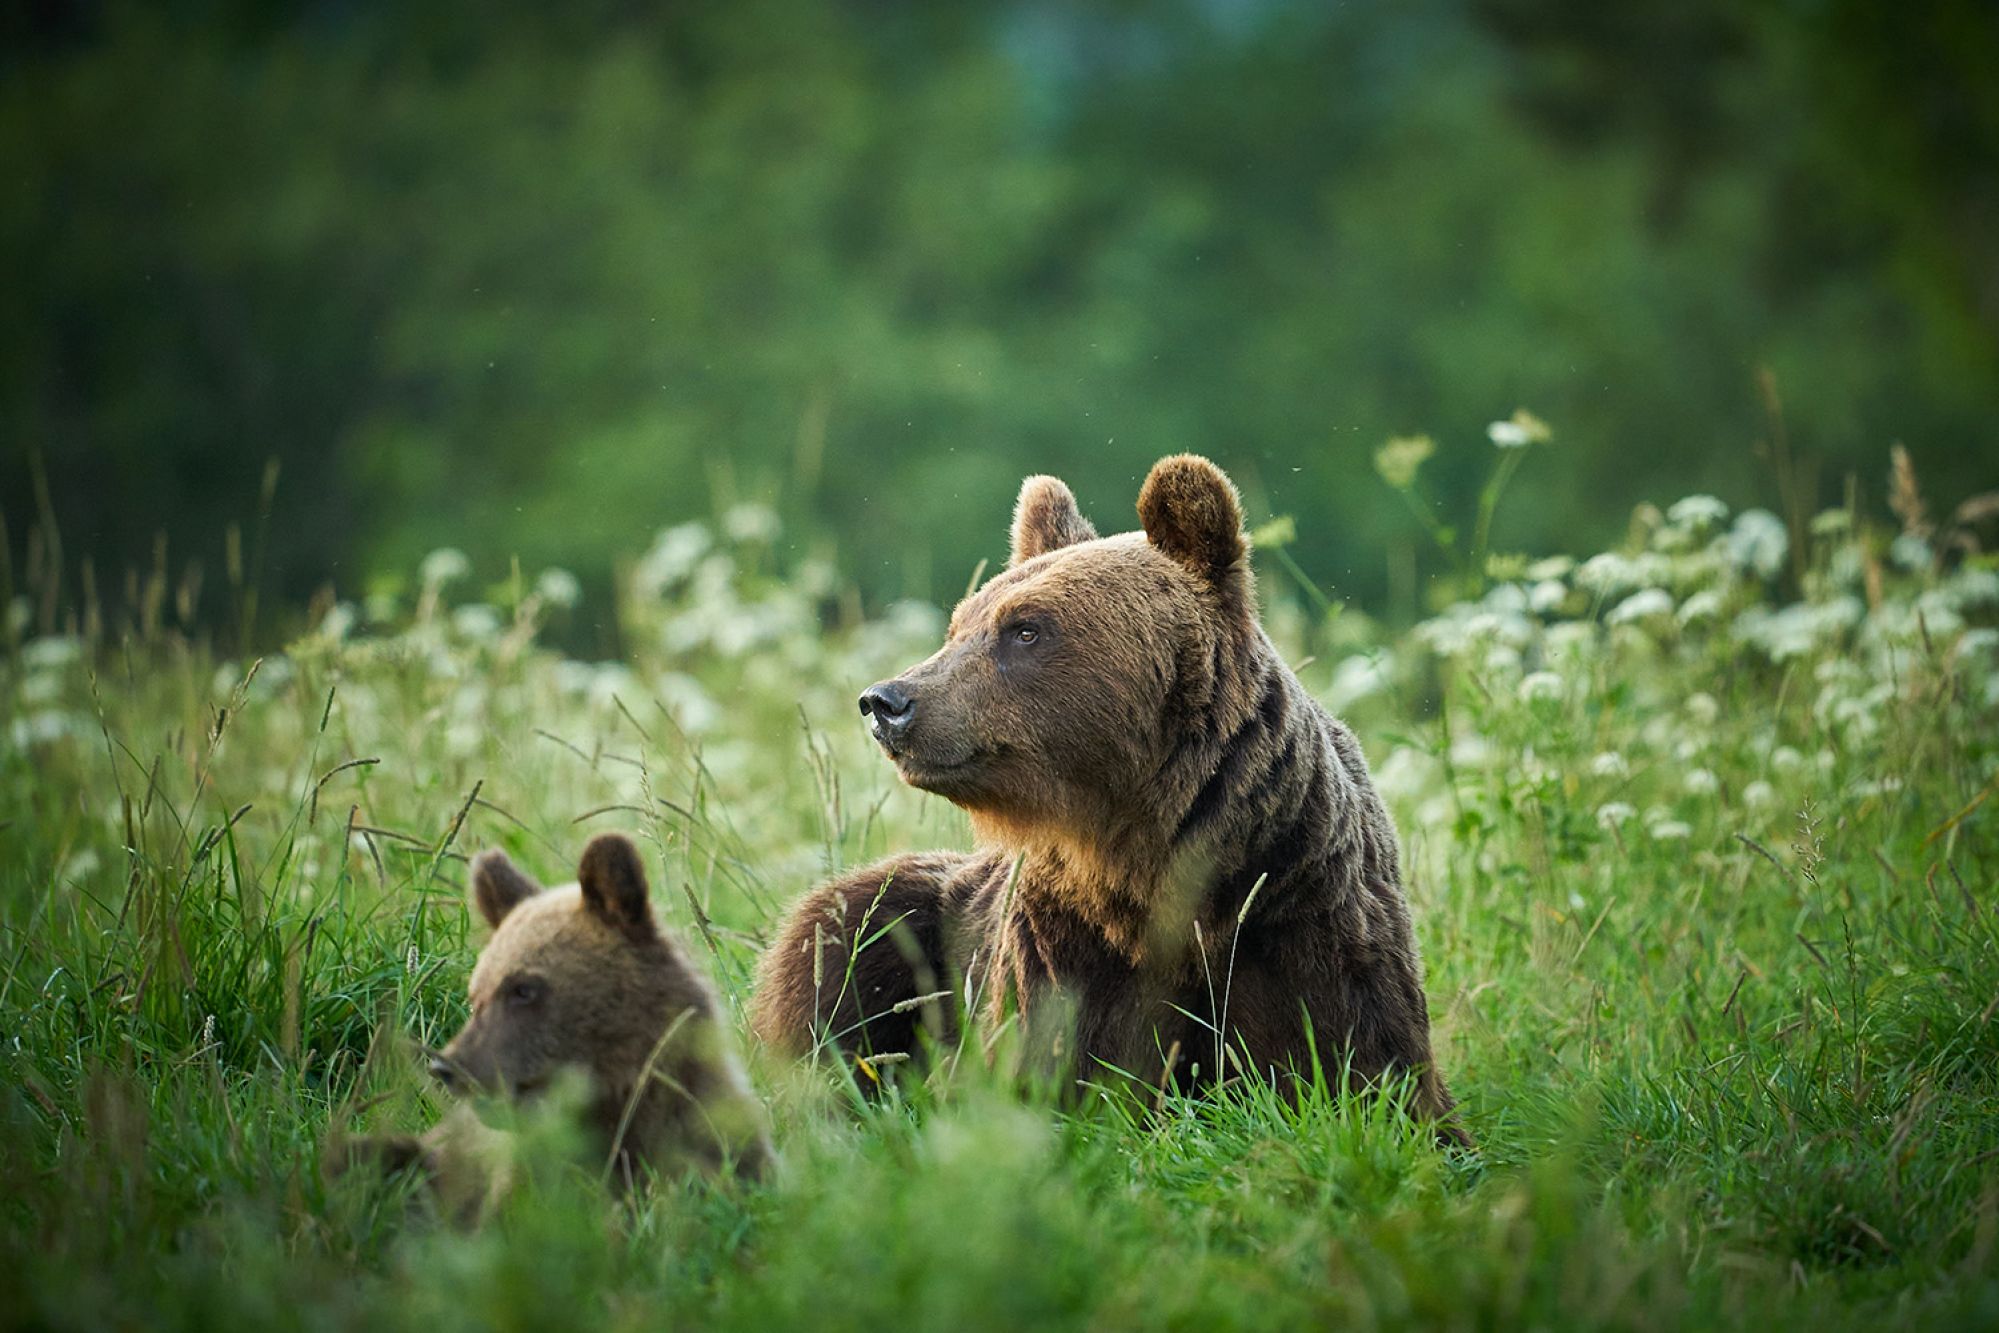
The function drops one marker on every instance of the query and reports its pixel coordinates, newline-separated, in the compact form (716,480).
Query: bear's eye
(1025,634)
(525,991)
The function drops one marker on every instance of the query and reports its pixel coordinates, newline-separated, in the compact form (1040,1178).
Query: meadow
(1702,862)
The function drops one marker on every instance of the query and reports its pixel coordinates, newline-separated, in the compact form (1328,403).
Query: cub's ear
(498,887)
(613,880)
(1046,519)
(1191,512)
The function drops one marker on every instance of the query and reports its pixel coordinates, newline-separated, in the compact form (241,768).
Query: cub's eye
(1025,634)
(524,992)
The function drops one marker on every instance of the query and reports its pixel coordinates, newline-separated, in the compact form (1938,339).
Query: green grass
(1708,904)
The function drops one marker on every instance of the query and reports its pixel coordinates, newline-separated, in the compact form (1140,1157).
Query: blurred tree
(537,280)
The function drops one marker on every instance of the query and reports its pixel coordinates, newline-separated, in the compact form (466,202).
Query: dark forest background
(536,280)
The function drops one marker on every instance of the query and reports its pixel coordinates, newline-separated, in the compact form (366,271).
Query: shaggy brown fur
(1175,840)
(582,977)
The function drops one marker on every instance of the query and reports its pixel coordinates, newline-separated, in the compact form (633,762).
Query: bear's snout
(889,709)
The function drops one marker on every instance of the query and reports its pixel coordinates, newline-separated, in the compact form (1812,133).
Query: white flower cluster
(1636,684)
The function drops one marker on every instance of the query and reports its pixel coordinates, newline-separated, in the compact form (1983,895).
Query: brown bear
(582,978)
(1182,873)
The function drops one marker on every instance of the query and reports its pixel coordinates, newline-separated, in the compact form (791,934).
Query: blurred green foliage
(538,280)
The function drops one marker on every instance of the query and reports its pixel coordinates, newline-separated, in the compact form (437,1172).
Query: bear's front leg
(856,957)
(466,1165)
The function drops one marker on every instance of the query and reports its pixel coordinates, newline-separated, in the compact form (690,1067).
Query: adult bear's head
(1071,684)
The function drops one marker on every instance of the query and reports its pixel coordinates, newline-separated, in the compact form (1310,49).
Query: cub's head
(1066,682)
(577,977)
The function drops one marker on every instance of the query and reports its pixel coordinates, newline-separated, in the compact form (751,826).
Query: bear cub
(582,978)
(1182,871)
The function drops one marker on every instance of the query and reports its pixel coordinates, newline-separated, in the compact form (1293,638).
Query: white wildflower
(1670,830)
(1798,629)
(273,677)
(464,738)
(1759,795)
(1701,782)
(1613,813)
(1407,773)
(1697,511)
(1610,764)
(47,654)
(1651,569)
(444,565)
(1519,430)
(1932,614)
(1703,605)
(1570,639)
(1759,543)
(1673,539)
(1641,605)
(476,623)
(814,578)
(1538,686)
(1606,574)
(1547,596)
(1847,568)
(558,587)
(1398,460)
(692,707)
(1507,627)
(1702,708)
(1471,751)
(337,623)
(1971,587)
(1437,812)
(1443,635)
(1358,677)
(573,678)
(1910,552)
(750,522)
(609,682)
(671,558)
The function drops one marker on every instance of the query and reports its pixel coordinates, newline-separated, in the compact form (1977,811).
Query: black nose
(441,1069)
(888,708)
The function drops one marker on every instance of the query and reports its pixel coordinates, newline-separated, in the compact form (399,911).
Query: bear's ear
(498,887)
(613,880)
(1046,519)
(1191,512)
